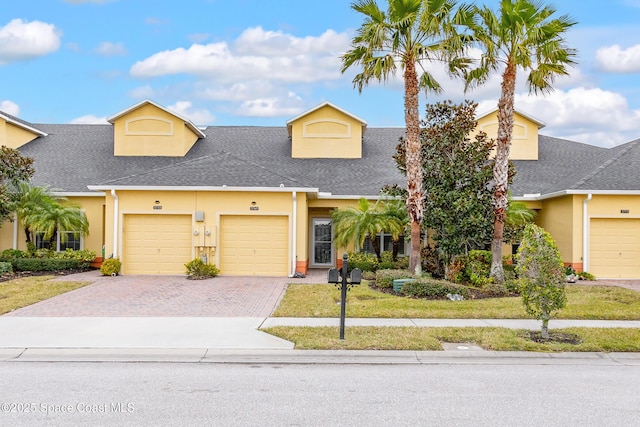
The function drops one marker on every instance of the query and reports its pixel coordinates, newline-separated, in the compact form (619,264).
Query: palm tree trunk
(501,168)
(375,244)
(415,202)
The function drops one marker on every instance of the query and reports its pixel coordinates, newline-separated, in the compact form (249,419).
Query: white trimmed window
(386,244)
(73,241)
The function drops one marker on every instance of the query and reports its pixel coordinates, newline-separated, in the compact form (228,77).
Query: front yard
(584,302)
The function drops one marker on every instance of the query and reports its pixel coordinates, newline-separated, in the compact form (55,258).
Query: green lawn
(496,339)
(20,293)
(584,302)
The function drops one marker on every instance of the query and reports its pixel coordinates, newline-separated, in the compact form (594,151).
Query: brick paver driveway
(167,296)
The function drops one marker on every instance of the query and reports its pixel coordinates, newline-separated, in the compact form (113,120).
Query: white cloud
(255,55)
(580,114)
(614,59)
(197,116)
(289,105)
(142,92)
(89,119)
(20,40)
(111,49)
(10,108)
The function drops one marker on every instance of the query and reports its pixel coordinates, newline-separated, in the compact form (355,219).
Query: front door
(321,243)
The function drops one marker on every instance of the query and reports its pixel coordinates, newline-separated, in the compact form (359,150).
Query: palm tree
(396,222)
(409,33)
(53,217)
(522,35)
(31,198)
(365,221)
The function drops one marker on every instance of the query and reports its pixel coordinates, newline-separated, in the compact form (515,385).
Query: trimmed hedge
(432,288)
(44,264)
(385,278)
(6,267)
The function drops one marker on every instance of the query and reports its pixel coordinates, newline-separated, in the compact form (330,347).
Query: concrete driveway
(166,296)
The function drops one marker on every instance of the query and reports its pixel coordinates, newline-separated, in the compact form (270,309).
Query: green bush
(44,264)
(583,275)
(6,267)
(362,260)
(9,254)
(385,278)
(386,261)
(197,269)
(84,257)
(513,286)
(432,288)
(110,267)
(402,263)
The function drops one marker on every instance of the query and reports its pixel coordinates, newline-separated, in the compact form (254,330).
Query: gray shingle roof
(71,157)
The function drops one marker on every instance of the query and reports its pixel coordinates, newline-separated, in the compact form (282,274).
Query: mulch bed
(554,336)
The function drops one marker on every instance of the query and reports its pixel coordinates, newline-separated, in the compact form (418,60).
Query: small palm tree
(402,39)
(31,198)
(53,217)
(362,222)
(396,222)
(522,35)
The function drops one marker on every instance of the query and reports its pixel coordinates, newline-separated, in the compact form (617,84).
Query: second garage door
(615,248)
(156,244)
(254,245)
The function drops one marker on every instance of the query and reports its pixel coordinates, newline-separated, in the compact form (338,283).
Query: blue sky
(256,62)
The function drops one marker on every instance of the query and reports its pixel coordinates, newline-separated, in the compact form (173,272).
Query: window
(386,244)
(73,241)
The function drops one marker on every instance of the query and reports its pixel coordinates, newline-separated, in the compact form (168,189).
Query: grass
(22,292)
(495,339)
(583,302)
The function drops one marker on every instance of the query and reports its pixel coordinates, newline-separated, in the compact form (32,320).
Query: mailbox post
(339,278)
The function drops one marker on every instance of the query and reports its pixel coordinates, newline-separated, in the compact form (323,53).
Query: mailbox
(333,276)
(356,276)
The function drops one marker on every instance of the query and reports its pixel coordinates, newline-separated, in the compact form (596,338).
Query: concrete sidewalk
(237,333)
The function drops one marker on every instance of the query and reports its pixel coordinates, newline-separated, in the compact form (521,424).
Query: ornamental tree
(541,271)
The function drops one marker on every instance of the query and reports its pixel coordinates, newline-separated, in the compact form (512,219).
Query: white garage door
(615,248)
(254,245)
(156,244)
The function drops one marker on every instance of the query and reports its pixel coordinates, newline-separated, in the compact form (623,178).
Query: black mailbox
(356,276)
(333,276)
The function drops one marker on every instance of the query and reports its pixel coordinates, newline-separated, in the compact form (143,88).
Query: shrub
(44,264)
(6,267)
(368,275)
(402,263)
(513,286)
(583,275)
(386,261)
(432,288)
(84,257)
(9,254)
(362,260)
(542,273)
(110,267)
(197,269)
(385,278)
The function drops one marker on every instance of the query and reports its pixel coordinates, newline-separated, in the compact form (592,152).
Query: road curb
(365,357)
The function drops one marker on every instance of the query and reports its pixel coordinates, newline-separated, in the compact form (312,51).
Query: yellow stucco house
(159,191)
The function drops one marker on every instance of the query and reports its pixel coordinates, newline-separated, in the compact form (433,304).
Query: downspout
(115,223)
(15,231)
(295,234)
(585,233)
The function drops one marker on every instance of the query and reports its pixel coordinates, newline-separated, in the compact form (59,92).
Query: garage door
(254,245)
(615,248)
(156,244)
